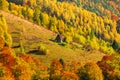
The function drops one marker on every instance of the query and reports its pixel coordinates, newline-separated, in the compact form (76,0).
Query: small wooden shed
(59,38)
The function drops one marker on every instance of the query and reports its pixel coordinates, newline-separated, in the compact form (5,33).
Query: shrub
(79,39)
(93,43)
(106,47)
(61,61)
(43,49)
(68,39)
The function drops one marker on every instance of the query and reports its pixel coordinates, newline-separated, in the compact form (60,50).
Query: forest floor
(32,35)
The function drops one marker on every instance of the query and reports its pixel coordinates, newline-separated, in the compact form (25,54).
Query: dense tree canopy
(86,22)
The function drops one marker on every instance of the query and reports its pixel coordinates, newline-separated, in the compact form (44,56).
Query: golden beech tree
(110,67)
(29,13)
(45,20)
(22,73)
(88,72)
(55,70)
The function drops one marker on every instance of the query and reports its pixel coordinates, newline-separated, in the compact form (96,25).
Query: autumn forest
(59,39)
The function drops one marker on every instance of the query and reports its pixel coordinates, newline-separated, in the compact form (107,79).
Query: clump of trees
(109,71)
(107,68)
(88,72)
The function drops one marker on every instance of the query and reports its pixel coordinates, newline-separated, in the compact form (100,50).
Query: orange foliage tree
(90,71)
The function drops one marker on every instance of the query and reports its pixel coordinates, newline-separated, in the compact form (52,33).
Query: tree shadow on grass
(52,40)
(18,46)
(37,52)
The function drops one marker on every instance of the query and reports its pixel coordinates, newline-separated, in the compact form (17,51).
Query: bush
(94,44)
(68,39)
(106,47)
(79,39)
(42,49)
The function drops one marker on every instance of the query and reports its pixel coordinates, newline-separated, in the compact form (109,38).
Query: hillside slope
(34,35)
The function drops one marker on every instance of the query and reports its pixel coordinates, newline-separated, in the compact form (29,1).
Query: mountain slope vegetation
(25,67)
(34,35)
(75,23)
(89,32)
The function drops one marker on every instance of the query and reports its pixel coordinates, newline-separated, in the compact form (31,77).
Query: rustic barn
(59,38)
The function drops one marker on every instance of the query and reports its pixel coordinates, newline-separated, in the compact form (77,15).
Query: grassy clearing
(33,35)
